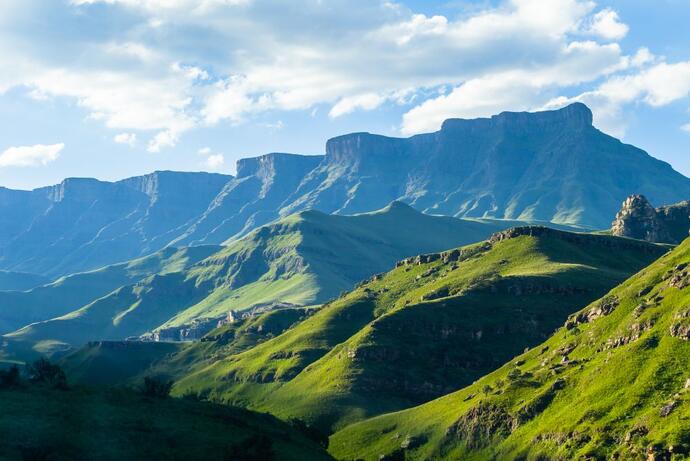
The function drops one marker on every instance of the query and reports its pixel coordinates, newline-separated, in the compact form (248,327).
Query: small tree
(42,371)
(10,377)
(156,388)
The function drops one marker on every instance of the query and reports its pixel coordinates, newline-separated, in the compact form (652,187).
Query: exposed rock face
(638,219)
(82,224)
(549,166)
(546,166)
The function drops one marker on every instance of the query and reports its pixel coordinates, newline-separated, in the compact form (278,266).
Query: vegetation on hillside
(612,383)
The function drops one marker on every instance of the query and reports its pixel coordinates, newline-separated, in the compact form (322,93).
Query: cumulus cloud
(215,161)
(606,24)
(30,156)
(212,161)
(657,85)
(367,101)
(126,138)
(249,57)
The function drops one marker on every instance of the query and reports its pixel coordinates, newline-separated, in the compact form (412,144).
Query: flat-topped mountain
(547,166)
(551,166)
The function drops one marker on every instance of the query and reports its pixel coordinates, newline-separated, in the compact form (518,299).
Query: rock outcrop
(638,219)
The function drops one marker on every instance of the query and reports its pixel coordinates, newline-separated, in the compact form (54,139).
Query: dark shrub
(310,432)
(10,377)
(42,371)
(255,448)
(156,388)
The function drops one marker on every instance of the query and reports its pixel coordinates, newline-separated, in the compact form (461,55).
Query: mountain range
(303,259)
(549,166)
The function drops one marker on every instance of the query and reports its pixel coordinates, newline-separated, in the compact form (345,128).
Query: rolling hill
(39,422)
(611,383)
(434,324)
(303,259)
(20,308)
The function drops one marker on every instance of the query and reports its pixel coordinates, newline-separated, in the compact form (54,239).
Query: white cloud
(606,24)
(656,86)
(163,139)
(214,161)
(36,155)
(204,151)
(686,127)
(515,89)
(367,101)
(126,138)
(179,64)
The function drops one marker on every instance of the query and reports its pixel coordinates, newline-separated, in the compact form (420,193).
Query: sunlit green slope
(302,259)
(430,326)
(612,383)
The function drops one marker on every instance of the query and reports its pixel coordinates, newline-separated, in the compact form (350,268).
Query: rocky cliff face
(82,223)
(546,166)
(638,219)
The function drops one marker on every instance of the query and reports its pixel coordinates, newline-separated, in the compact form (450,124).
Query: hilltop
(306,258)
(611,383)
(435,323)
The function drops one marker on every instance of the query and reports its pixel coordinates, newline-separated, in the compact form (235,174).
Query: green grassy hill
(40,423)
(432,325)
(19,308)
(612,383)
(128,362)
(303,259)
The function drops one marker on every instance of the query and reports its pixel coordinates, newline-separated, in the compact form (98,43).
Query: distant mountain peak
(575,115)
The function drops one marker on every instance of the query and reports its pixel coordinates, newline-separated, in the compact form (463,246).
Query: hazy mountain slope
(638,219)
(38,422)
(302,259)
(83,224)
(251,199)
(74,291)
(20,281)
(547,166)
(611,384)
(433,324)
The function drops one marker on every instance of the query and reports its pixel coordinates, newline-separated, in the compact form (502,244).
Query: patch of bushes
(42,371)
(10,378)
(156,388)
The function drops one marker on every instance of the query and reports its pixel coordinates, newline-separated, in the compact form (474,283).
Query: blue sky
(115,88)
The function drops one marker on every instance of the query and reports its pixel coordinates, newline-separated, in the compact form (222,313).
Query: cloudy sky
(114,88)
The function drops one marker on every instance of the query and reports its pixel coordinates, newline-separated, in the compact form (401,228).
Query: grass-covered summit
(612,383)
(432,325)
(303,259)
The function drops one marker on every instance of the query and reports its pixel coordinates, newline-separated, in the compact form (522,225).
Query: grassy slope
(302,259)
(20,281)
(74,291)
(122,362)
(594,390)
(42,423)
(421,330)
(310,257)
